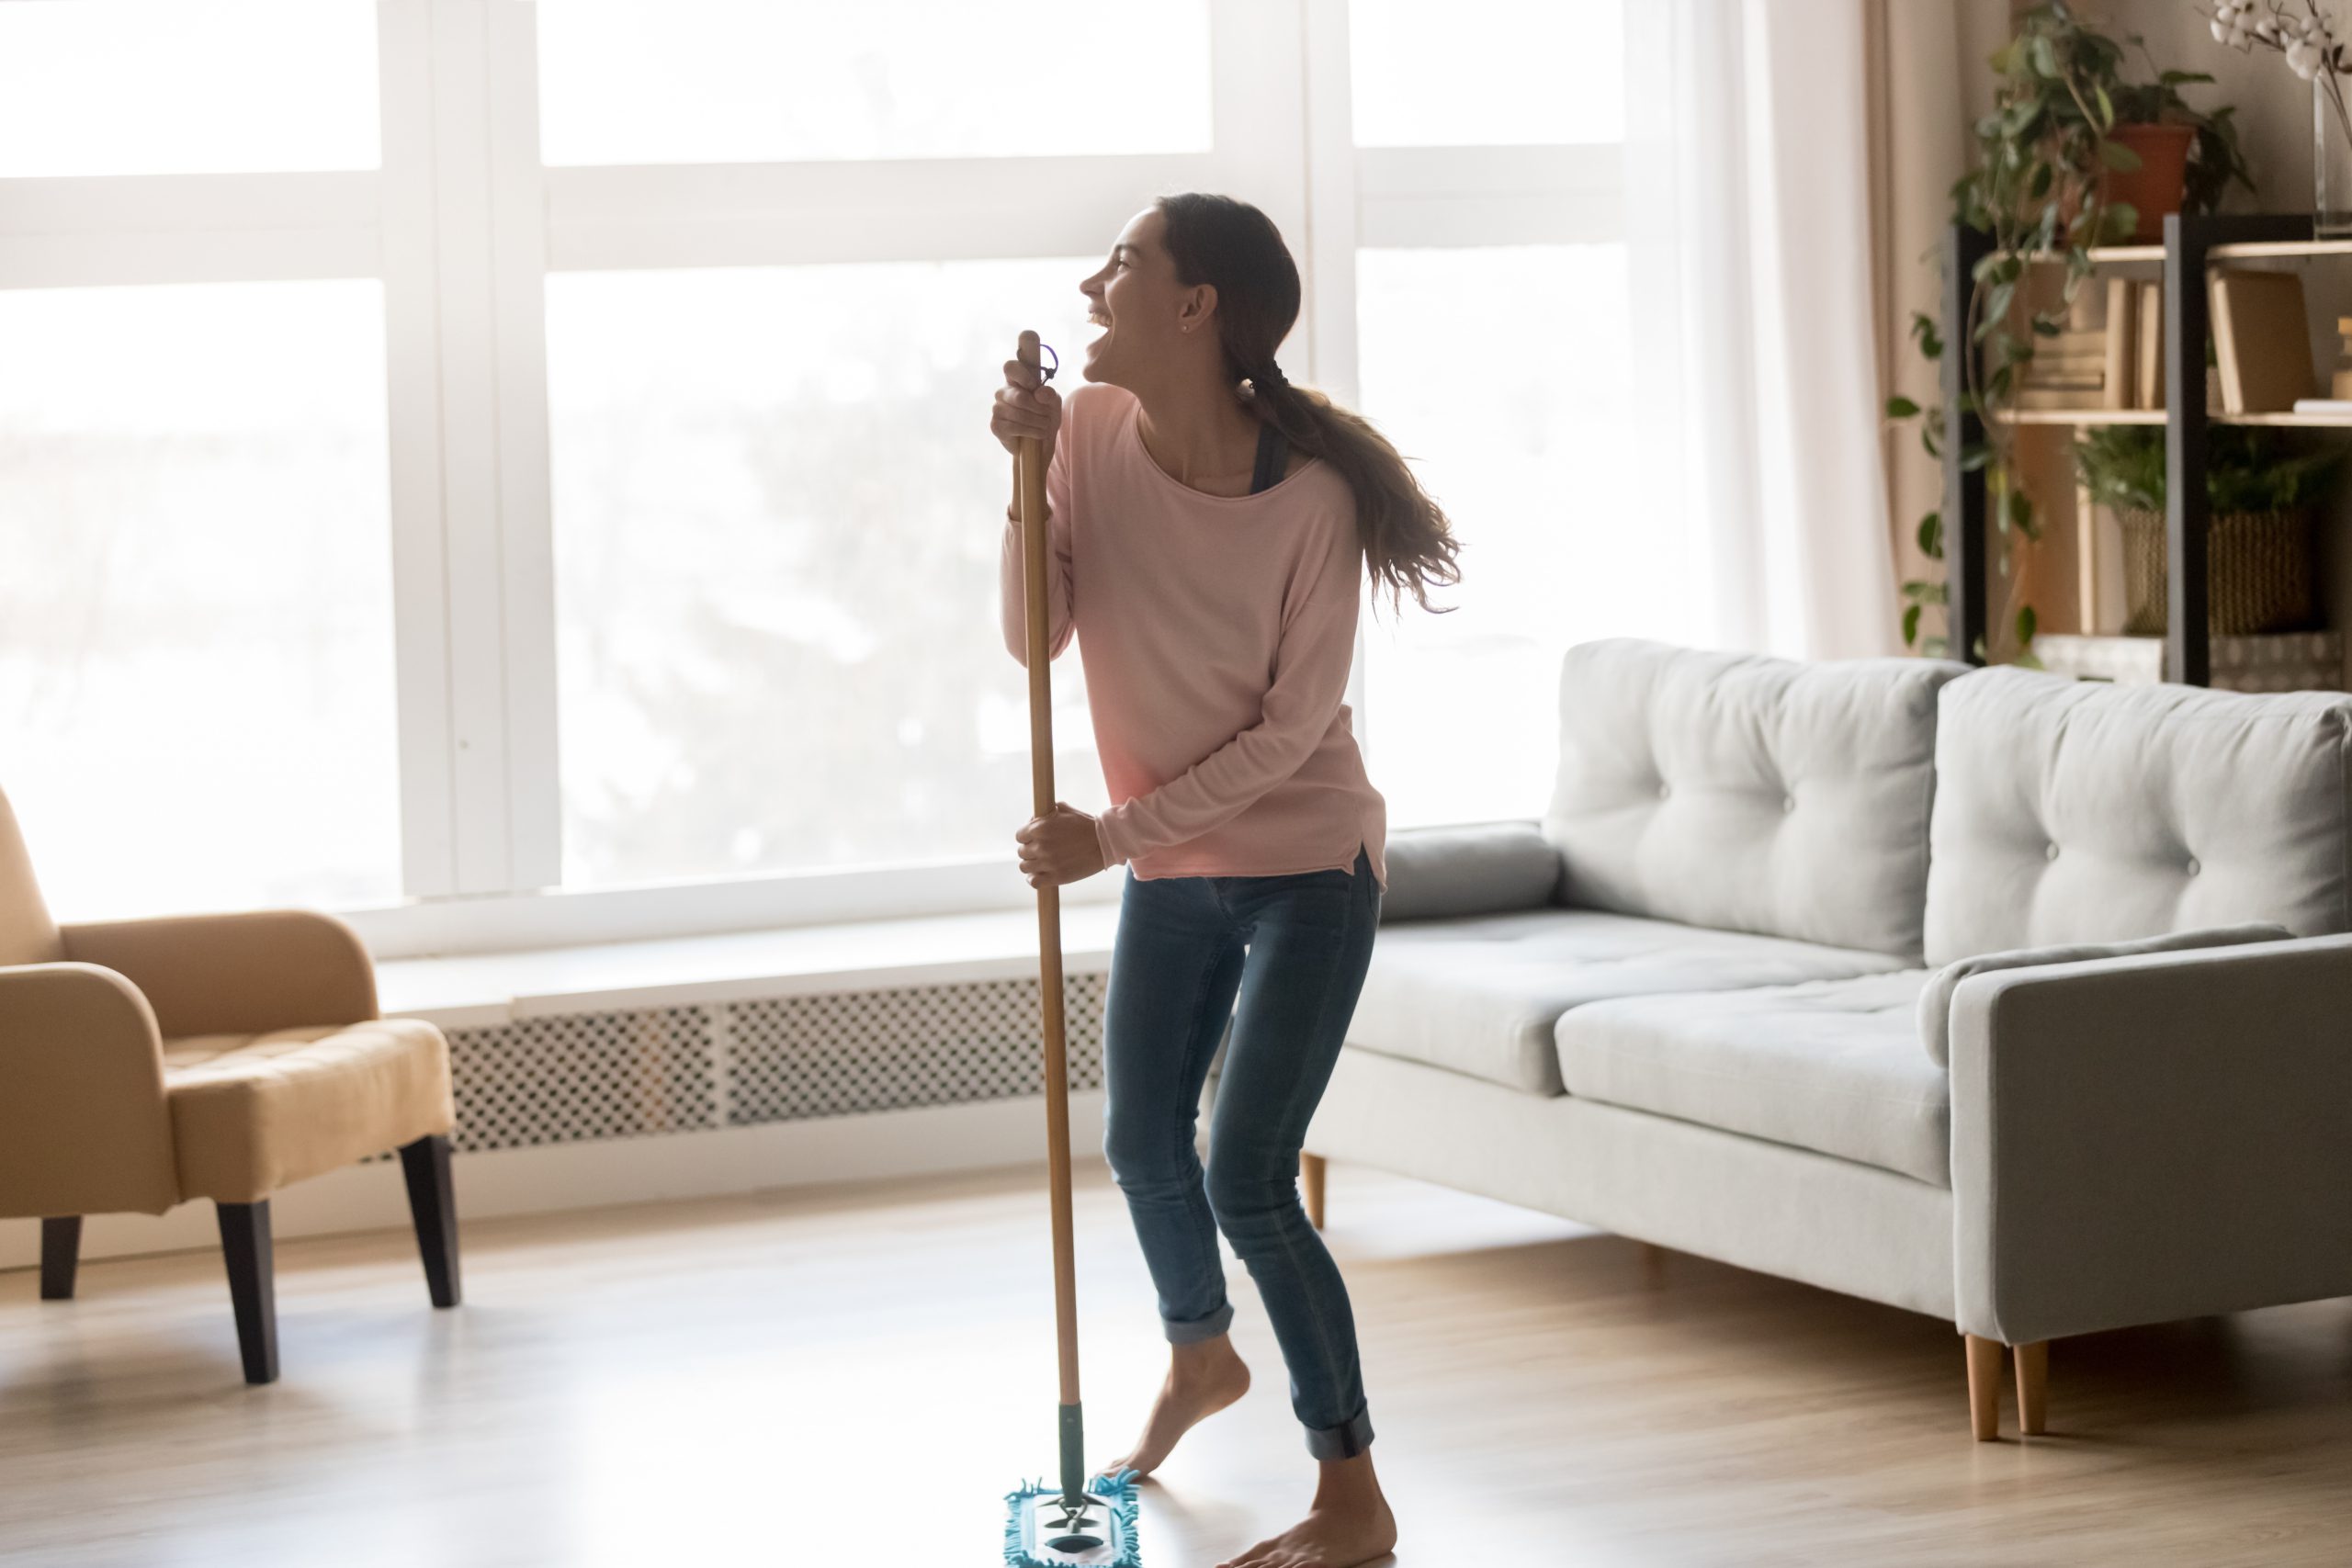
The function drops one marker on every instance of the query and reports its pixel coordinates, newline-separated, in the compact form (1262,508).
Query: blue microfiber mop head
(1040,1534)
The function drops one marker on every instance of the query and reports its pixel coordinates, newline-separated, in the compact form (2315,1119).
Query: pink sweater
(1216,634)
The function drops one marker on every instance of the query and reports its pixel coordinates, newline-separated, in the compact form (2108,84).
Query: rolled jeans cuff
(1343,1441)
(1197,1330)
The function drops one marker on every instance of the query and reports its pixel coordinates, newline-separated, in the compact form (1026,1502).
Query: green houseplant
(2258,551)
(2043,188)
(2259,548)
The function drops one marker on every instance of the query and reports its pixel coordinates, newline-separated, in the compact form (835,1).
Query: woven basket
(2258,572)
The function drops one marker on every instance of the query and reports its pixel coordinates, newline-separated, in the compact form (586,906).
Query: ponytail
(1408,542)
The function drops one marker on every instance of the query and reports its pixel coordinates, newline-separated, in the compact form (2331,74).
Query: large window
(196,628)
(1495,340)
(1486,72)
(750,81)
(1528,455)
(489,449)
(186,86)
(776,565)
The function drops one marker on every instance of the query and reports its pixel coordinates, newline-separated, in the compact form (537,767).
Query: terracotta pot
(2155,188)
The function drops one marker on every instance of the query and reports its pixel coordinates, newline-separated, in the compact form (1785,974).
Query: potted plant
(2048,186)
(2184,158)
(2260,576)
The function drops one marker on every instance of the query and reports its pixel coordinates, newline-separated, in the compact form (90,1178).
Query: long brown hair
(1234,248)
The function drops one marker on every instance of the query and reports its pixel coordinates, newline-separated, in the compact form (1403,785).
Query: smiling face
(1151,324)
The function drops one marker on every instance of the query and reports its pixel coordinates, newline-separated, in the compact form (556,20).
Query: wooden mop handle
(1029,480)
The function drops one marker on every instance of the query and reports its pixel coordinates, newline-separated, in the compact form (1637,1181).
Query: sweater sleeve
(1014,577)
(1310,677)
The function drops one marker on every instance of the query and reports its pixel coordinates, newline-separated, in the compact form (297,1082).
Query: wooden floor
(854,1376)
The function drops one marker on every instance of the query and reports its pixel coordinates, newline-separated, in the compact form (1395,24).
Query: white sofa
(2014,1000)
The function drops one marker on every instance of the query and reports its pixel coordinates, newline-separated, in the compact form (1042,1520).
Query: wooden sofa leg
(1311,1168)
(253,1290)
(61,1250)
(2033,1387)
(1985,1387)
(433,1204)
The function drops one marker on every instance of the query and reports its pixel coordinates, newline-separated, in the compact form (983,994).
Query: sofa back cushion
(1748,794)
(2076,811)
(1476,868)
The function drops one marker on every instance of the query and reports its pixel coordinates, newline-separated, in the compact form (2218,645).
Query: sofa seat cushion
(1832,1065)
(1480,996)
(253,1112)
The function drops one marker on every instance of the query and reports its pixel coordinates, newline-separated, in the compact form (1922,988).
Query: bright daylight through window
(629,495)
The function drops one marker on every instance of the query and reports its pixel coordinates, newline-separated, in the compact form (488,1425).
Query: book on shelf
(2332,408)
(2261,341)
(2030,396)
(2151,386)
(2045,363)
(2121,367)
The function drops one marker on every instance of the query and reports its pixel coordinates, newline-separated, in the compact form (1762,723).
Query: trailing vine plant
(2036,190)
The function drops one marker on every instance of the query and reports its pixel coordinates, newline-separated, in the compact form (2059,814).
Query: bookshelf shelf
(2079,416)
(2287,421)
(2157,416)
(2191,246)
(2248,250)
(2253,250)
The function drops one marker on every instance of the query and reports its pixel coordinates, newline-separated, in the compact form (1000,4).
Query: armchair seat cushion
(1481,996)
(1834,1066)
(253,1112)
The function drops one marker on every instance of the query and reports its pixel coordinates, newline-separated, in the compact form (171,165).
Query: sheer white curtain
(1748,207)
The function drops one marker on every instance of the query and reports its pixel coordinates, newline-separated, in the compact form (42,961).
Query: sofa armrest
(2137,1140)
(243,973)
(1482,869)
(84,1125)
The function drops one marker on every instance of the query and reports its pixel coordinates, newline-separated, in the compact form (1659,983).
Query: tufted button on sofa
(2032,1017)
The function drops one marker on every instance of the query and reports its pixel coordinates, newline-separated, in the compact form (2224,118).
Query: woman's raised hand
(1025,406)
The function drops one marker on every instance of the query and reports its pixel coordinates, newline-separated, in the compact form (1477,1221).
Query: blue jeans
(1294,950)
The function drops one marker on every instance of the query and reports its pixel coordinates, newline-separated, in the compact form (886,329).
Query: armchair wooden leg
(2033,1387)
(60,1249)
(1311,1168)
(433,1204)
(1985,1387)
(253,1288)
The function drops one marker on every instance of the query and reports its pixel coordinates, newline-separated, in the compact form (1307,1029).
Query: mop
(1078,1522)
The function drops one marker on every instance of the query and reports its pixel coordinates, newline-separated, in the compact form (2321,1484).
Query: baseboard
(595,1174)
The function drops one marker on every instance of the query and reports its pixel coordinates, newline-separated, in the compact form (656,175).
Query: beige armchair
(147,1063)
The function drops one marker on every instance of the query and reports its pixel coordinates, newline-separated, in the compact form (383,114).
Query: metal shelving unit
(2191,246)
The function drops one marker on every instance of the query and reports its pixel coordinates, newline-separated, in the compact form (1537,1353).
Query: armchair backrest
(2072,812)
(1748,794)
(27,933)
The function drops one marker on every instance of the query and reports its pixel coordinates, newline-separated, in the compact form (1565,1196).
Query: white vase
(2331,159)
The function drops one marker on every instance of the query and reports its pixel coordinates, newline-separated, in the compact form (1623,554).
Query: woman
(1211,525)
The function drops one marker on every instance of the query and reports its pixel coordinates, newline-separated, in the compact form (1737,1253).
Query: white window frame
(462,224)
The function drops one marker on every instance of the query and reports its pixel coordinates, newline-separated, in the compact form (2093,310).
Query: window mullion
(465,252)
(413,412)
(519,263)
(1329,259)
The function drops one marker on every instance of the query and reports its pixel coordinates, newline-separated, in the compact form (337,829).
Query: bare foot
(1349,1524)
(1203,1378)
